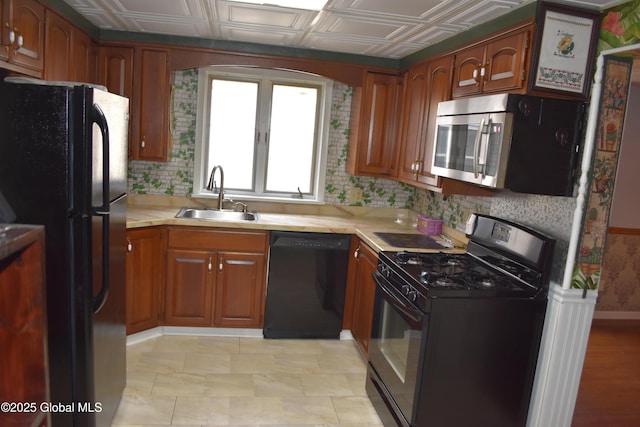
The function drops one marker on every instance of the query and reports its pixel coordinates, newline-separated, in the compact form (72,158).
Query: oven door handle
(399,301)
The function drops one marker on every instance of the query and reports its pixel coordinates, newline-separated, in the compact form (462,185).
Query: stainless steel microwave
(523,143)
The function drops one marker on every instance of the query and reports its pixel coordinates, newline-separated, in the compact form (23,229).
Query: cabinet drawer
(219,239)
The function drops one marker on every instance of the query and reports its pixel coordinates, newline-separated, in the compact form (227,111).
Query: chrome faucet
(212,185)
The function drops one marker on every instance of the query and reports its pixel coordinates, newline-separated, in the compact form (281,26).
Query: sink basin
(216,215)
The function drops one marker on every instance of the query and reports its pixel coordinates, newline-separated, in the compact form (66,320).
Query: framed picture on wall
(564,51)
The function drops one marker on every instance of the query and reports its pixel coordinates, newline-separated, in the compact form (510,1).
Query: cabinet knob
(356,253)
(210,265)
(13,36)
(142,143)
(129,246)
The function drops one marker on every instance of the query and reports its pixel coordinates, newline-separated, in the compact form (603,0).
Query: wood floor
(609,391)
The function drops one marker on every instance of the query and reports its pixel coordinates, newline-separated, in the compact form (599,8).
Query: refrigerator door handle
(98,117)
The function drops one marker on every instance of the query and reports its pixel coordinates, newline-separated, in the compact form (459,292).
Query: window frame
(272,76)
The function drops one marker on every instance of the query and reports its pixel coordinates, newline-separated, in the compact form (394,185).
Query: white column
(562,350)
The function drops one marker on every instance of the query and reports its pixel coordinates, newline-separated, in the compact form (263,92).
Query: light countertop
(364,222)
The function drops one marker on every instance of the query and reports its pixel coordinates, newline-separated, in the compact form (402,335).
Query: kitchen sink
(217,215)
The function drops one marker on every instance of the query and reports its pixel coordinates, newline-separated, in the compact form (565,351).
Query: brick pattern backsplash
(176,176)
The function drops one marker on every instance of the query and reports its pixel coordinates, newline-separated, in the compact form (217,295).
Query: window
(267,129)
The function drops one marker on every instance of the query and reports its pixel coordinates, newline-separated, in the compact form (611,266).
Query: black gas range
(460,324)
(503,259)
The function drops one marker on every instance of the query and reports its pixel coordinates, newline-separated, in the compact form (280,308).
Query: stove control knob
(412,295)
(385,271)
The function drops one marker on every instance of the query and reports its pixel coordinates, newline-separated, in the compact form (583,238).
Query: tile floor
(225,381)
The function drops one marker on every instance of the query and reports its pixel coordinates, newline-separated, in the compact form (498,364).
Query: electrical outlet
(355,195)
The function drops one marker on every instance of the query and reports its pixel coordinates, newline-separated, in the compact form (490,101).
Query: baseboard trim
(205,332)
(139,337)
(622,315)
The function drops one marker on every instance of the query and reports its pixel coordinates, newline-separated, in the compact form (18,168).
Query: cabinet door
(58,51)
(240,290)
(364,296)
(4,50)
(438,90)
(150,132)
(413,112)
(83,57)
(144,279)
(70,53)
(467,73)
(376,134)
(23,329)
(27,19)
(115,70)
(506,61)
(189,287)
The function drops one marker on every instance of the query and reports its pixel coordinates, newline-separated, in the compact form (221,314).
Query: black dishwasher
(306,285)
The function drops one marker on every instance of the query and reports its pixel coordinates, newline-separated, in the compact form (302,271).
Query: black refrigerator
(63,164)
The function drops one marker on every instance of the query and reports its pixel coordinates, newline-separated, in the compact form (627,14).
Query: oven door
(396,347)
(473,147)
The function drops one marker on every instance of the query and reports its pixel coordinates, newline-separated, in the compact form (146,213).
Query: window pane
(232,130)
(292,138)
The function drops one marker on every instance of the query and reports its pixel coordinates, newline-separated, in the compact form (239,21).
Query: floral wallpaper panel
(613,103)
(620,27)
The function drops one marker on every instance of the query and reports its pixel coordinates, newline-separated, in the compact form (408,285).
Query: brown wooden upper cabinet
(496,65)
(23,29)
(70,54)
(414,111)
(116,69)
(141,74)
(4,49)
(426,85)
(373,127)
(150,137)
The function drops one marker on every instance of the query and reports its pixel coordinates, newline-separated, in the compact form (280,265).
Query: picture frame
(566,39)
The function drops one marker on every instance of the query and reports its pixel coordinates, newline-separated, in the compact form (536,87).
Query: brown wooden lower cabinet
(215,277)
(189,287)
(23,327)
(240,290)
(364,263)
(145,257)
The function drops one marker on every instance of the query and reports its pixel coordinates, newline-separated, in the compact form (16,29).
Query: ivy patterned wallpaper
(176,176)
(552,215)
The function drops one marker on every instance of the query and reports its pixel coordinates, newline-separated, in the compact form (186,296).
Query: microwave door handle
(484,150)
(476,146)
